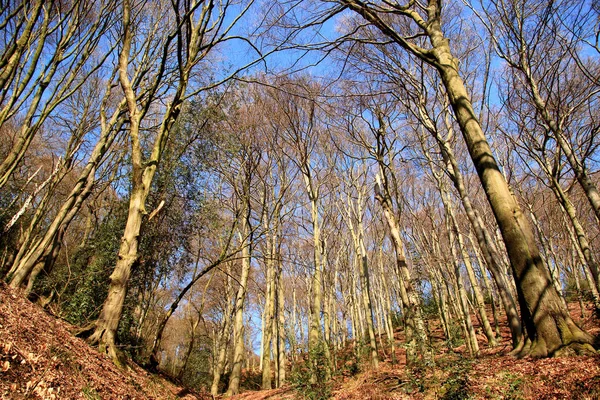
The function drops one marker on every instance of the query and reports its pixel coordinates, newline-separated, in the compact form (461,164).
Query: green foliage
(512,384)
(456,387)
(397,319)
(348,362)
(315,365)
(82,283)
(456,335)
(415,378)
(197,373)
(429,308)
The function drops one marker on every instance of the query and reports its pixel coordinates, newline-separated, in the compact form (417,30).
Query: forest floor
(494,374)
(41,359)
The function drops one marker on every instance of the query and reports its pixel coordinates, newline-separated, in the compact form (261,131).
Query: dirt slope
(41,359)
(495,374)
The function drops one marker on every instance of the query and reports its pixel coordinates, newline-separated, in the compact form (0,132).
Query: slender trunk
(588,276)
(238,327)
(268,315)
(575,274)
(488,287)
(413,318)
(363,270)
(486,245)
(280,322)
(388,306)
(454,233)
(580,234)
(451,228)
(68,210)
(190,348)
(581,173)
(479,301)
(222,339)
(549,256)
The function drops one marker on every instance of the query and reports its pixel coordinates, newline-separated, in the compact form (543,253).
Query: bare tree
(52,50)
(408,26)
(179,37)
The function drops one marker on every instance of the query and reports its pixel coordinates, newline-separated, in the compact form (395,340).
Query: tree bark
(222,339)
(547,320)
(238,327)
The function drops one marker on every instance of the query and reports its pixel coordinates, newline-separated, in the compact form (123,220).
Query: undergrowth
(311,378)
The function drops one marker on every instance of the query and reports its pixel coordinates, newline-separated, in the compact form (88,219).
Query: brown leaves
(40,359)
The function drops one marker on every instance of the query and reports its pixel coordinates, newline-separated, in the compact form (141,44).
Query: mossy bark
(547,320)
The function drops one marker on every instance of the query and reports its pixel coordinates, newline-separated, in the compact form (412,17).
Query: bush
(318,365)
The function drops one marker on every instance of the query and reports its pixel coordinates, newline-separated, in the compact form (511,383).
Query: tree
(547,321)
(51,51)
(533,38)
(181,37)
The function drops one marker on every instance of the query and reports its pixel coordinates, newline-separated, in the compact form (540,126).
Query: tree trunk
(222,339)
(490,253)
(238,327)
(280,323)
(108,321)
(479,301)
(268,316)
(463,302)
(363,270)
(455,234)
(580,234)
(547,320)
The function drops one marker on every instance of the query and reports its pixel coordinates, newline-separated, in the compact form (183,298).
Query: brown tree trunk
(547,320)
(222,339)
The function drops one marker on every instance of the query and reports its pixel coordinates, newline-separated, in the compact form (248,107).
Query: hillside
(41,359)
(495,374)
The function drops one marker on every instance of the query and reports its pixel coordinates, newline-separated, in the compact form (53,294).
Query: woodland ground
(41,359)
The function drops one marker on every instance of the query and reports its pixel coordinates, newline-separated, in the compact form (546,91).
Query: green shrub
(317,365)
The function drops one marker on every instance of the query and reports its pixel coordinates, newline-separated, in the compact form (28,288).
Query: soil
(41,359)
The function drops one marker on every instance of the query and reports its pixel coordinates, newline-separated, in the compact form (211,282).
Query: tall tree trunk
(489,251)
(463,301)
(315,340)
(413,316)
(479,301)
(355,211)
(387,295)
(455,234)
(222,338)
(547,320)
(280,323)
(238,327)
(580,234)
(69,209)
(108,321)
(268,315)
(588,276)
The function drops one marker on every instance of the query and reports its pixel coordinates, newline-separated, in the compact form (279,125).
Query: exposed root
(86,331)
(104,339)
